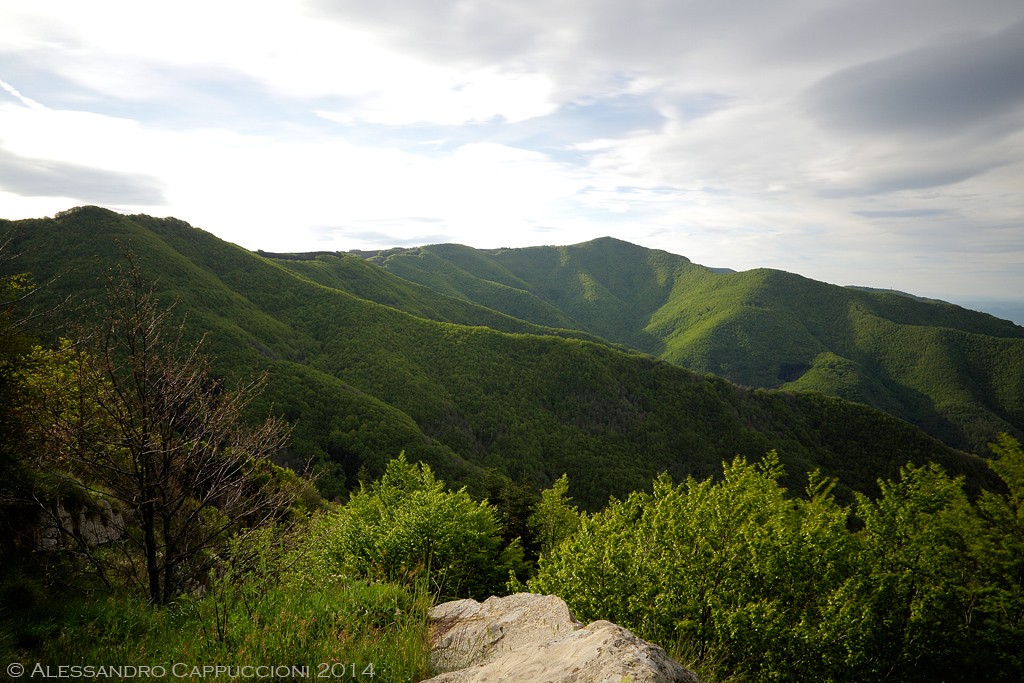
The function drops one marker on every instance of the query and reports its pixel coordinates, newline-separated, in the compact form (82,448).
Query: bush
(749,583)
(407,525)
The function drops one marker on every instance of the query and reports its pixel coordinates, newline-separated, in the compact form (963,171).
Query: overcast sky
(873,142)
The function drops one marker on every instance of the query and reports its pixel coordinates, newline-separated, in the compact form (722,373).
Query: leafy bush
(726,565)
(750,584)
(406,525)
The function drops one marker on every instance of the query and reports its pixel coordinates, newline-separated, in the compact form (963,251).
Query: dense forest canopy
(951,371)
(367,364)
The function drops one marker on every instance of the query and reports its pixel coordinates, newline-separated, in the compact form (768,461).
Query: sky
(868,142)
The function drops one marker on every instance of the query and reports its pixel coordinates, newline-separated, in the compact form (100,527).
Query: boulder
(534,639)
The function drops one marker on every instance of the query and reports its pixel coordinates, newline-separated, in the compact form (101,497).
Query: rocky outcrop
(531,638)
(91,527)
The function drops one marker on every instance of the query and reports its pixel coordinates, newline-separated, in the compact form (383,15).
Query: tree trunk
(149,540)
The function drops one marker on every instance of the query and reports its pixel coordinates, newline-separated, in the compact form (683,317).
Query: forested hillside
(363,381)
(145,521)
(955,373)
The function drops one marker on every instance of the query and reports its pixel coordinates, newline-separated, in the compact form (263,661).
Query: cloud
(912,174)
(48,178)
(70,155)
(897,214)
(580,46)
(820,137)
(942,88)
(278,46)
(831,35)
(476,96)
(26,101)
(380,237)
(938,115)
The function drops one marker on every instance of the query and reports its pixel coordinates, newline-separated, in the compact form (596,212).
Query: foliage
(554,519)
(998,549)
(407,525)
(354,275)
(14,344)
(754,585)
(917,578)
(258,613)
(514,502)
(384,368)
(932,363)
(22,483)
(133,415)
(904,614)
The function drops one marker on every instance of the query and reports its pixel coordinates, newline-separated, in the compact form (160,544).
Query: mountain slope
(363,381)
(354,275)
(956,373)
(607,287)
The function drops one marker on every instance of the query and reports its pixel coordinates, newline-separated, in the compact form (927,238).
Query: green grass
(340,627)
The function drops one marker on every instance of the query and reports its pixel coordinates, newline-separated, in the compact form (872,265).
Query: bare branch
(138,418)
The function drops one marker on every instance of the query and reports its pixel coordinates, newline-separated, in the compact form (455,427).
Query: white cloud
(452,99)
(26,101)
(289,52)
(740,134)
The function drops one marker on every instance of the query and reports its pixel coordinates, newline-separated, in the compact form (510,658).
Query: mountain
(367,364)
(956,373)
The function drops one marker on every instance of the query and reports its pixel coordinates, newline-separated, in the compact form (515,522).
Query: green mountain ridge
(881,290)
(957,373)
(367,364)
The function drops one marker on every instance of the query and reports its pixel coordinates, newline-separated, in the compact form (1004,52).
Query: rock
(101,527)
(91,527)
(534,639)
(466,632)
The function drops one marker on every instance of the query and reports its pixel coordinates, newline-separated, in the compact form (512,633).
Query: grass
(340,629)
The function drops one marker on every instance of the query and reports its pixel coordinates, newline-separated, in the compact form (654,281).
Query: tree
(513,502)
(907,611)
(133,415)
(13,474)
(999,551)
(554,518)
(20,319)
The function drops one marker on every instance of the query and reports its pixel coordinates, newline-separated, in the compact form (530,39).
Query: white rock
(534,639)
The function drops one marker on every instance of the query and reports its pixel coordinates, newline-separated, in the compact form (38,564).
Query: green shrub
(748,583)
(407,525)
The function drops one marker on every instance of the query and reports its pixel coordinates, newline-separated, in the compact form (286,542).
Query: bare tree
(135,416)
